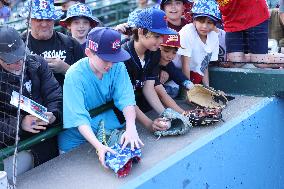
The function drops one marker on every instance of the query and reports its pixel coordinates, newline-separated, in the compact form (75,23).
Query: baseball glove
(204,116)
(206,97)
(179,124)
(121,162)
(106,137)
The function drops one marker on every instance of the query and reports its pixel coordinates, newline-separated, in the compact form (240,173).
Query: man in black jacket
(39,85)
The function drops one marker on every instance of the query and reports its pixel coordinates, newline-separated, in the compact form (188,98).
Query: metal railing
(49,133)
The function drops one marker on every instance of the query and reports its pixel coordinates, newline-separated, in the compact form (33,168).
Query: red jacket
(240,15)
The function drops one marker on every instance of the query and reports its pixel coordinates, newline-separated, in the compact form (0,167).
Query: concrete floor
(80,168)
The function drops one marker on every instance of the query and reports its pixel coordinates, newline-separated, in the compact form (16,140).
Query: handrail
(49,133)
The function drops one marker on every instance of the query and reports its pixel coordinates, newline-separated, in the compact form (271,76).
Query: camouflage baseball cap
(208,8)
(79,10)
(45,9)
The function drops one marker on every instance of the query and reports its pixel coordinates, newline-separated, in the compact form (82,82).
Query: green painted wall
(251,82)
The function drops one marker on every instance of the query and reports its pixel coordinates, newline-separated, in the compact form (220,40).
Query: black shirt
(178,28)
(175,73)
(137,74)
(58,46)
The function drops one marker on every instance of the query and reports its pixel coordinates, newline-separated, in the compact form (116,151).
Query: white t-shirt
(200,53)
(222,45)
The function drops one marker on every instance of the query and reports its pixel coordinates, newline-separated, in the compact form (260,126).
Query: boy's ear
(88,52)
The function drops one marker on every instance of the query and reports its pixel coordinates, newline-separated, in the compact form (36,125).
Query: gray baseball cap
(12,47)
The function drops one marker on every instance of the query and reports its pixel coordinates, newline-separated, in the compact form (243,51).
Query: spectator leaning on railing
(91,82)
(39,85)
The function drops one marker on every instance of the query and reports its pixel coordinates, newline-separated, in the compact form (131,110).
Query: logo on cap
(93,45)
(116,44)
(172,38)
(82,8)
(43,4)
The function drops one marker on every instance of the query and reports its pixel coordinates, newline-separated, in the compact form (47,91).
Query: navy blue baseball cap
(154,20)
(106,44)
(12,47)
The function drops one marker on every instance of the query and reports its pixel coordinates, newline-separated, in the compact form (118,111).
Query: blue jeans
(172,91)
(253,40)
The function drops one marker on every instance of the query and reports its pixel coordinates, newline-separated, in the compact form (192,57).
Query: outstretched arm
(152,97)
(148,123)
(130,135)
(185,66)
(89,135)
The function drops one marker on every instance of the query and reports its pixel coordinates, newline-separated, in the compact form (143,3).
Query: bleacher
(109,12)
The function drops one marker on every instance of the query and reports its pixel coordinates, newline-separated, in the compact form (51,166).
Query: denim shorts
(253,40)
(172,91)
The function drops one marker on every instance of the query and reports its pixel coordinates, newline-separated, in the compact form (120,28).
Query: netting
(8,112)
(9,115)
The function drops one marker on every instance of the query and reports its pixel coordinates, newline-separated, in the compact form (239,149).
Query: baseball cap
(79,10)
(154,20)
(45,9)
(208,8)
(106,43)
(171,41)
(163,2)
(133,17)
(12,47)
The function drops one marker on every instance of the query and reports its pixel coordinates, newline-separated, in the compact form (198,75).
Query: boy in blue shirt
(91,82)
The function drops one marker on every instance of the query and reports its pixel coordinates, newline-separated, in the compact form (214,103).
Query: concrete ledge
(192,160)
(251,82)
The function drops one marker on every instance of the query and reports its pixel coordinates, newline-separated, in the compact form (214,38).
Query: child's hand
(131,136)
(158,125)
(101,151)
(188,84)
(121,27)
(57,65)
(164,76)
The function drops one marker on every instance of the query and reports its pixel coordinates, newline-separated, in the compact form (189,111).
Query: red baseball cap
(171,41)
